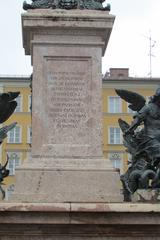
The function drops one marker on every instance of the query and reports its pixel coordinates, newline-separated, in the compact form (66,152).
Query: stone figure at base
(142,140)
(67,4)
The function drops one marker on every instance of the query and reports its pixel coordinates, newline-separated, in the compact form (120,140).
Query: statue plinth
(67,164)
(147,196)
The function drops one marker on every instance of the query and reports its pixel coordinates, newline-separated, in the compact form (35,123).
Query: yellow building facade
(17,145)
(114,108)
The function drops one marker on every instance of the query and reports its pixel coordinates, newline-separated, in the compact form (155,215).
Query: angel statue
(142,140)
(7,106)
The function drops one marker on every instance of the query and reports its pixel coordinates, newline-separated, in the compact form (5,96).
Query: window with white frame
(19,104)
(29,103)
(114,104)
(116,160)
(13,162)
(9,191)
(14,135)
(115,135)
(29,135)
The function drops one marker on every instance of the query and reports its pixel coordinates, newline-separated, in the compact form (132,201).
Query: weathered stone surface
(77,26)
(66,163)
(147,196)
(82,190)
(68,181)
(66,49)
(109,221)
(67,110)
(81,207)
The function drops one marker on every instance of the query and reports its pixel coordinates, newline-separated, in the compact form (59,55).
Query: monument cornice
(55,22)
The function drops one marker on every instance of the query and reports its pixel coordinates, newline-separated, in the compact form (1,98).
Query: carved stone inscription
(67,108)
(68,101)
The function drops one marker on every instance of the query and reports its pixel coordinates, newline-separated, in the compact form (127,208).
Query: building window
(19,104)
(9,191)
(29,103)
(29,135)
(14,135)
(115,135)
(115,105)
(116,160)
(13,162)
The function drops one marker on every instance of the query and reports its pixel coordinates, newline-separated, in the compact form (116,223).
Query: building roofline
(132,80)
(15,78)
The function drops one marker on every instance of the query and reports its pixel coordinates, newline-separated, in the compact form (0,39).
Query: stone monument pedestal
(67,185)
(66,163)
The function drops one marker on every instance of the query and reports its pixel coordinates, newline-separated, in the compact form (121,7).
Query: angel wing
(7,105)
(136,100)
(123,125)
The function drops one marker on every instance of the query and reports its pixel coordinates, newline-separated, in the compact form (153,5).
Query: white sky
(128,45)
